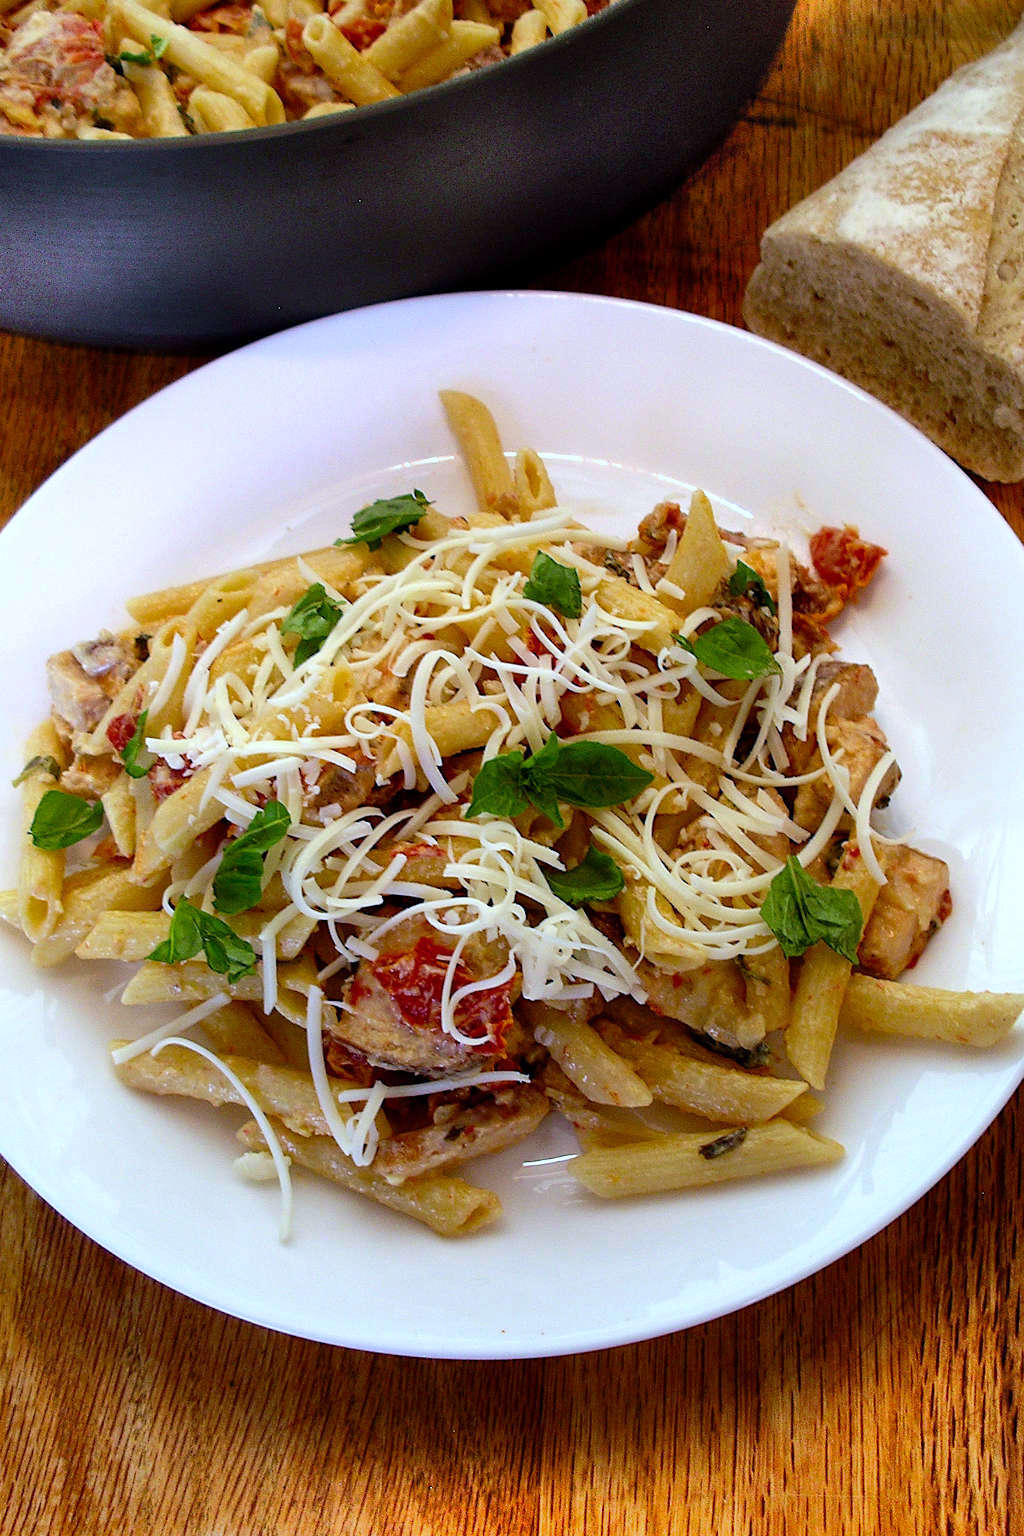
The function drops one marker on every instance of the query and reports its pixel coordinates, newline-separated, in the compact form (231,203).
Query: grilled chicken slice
(859,745)
(83,680)
(911,906)
(391,1013)
(856,696)
(463,1131)
(712,1000)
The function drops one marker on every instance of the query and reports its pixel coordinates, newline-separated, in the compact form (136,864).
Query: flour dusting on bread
(905,273)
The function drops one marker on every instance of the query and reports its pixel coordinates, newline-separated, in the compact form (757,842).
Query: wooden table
(882,1395)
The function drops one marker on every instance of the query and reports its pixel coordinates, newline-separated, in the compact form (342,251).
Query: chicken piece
(711,1000)
(339,790)
(55,79)
(859,745)
(696,835)
(83,680)
(391,1012)
(858,691)
(463,1131)
(89,777)
(911,906)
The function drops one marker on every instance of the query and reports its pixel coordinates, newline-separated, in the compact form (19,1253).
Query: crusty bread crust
(905,273)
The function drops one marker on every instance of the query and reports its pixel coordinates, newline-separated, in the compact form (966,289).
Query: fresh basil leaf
(498,788)
(597,877)
(158,45)
(556,586)
(226,953)
(193,931)
(587,773)
(372,524)
(724,1143)
(184,938)
(63,819)
(238,883)
(734,648)
(800,912)
(312,618)
(130,754)
(580,773)
(42,764)
(127,56)
(745,579)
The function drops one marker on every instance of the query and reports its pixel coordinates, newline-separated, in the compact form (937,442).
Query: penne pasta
(688,1161)
(449,1206)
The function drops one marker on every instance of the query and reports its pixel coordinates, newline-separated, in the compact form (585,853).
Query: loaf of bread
(905,273)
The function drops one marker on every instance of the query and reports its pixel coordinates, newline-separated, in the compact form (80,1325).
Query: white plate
(271,449)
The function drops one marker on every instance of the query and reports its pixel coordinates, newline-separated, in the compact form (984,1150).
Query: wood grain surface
(883,1395)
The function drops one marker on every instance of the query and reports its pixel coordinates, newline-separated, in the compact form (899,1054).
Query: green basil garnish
(193,932)
(312,618)
(238,883)
(596,877)
(584,773)
(734,648)
(556,586)
(41,764)
(372,524)
(800,912)
(745,579)
(132,748)
(63,819)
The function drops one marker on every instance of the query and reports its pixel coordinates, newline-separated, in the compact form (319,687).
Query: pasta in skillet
(458,822)
(94,69)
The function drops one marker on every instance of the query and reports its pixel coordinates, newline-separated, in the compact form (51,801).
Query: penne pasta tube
(234,1030)
(822,982)
(710,1089)
(627,602)
(929,1013)
(157,100)
(345,67)
(533,489)
(701,560)
(264,60)
(187,51)
(528,30)
(192,981)
(450,1206)
(561,15)
(337,565)
(476,433)
(132,936)
(465,39)
(585,1058)
(120,811)
(411,36)
(40,870)
(688,1160)
(216,112)
(328,109)
(87,894)
(279,1090)
(289,1036)
(453,728)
